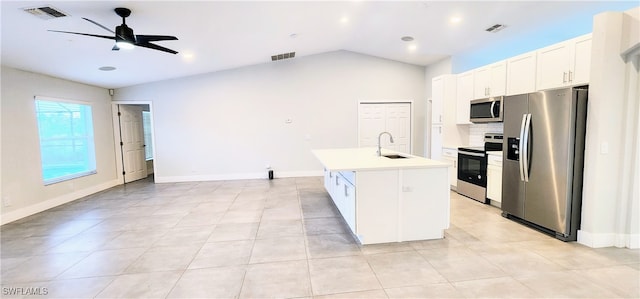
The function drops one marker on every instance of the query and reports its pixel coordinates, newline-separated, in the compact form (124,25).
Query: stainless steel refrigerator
(543,159)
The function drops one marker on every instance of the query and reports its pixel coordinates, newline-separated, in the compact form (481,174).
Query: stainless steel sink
(394,156)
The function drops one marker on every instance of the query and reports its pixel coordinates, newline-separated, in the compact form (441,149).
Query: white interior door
(132,136)
(375,118)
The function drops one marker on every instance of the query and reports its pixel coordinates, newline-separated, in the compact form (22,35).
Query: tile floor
(284,238)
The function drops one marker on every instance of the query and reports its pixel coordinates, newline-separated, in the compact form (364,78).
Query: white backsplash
(476,132)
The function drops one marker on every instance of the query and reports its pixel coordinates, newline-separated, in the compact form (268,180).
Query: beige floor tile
(622,280)
(373,294)
(182,236)
(386,247)
(103,263)
(334,245)
(322,226)
(438,290)
(569,284)
(400,269)
(282,213)
(141,285)
(279,228)
(200,219)
(240,216)
(277,280)
(219,254)
(278,249)
(234,232)
(501,287)
(75,288)
(460,264)
(342,275)
(41,268)
(134,239)
(164,259)
(209,283)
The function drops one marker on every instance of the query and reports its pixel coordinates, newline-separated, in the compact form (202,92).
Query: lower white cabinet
(382,206)
(450,155)
(494,177)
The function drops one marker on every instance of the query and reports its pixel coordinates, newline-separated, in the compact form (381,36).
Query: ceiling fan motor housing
(124,33)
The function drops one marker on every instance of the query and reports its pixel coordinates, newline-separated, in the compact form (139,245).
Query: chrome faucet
(379,147)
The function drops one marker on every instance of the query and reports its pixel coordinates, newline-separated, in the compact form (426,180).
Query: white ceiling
(225,35)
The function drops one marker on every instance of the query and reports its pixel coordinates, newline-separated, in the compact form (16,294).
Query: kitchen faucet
(379,147)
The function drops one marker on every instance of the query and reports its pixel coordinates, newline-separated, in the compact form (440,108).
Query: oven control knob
(479,177)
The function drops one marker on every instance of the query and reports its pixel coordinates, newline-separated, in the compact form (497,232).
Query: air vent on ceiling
(495,28)
(45,12)
(283,56)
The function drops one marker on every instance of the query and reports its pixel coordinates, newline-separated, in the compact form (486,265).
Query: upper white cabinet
(564,64)
(464,95)
(490,80)
(521,74)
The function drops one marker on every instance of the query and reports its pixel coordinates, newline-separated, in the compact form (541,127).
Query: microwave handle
(492,105)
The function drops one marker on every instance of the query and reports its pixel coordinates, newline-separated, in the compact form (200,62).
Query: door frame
(116,135)
(411,115)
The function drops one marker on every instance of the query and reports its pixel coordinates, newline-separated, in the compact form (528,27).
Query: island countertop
(366,158)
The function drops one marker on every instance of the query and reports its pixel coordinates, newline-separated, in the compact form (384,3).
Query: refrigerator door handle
(521,147)
(525,149)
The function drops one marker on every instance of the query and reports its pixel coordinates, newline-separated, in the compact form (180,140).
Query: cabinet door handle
(564,77)
(337,180)
(570,77)
(345,191)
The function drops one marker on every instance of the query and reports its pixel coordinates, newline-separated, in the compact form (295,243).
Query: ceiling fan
(124,37)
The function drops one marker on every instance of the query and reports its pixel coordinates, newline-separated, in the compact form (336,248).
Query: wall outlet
(6,201)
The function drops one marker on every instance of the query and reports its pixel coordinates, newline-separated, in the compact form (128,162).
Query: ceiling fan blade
(155,47)
(99,25)
(87,34)
(152,38)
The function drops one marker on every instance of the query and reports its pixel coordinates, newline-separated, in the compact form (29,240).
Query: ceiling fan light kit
(124,36)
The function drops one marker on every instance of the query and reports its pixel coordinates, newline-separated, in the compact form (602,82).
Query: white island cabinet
(387,200)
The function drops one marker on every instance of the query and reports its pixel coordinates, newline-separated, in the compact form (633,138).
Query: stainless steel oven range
(472,167)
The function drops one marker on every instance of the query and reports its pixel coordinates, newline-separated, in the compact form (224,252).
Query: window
(66,140)
(146,126)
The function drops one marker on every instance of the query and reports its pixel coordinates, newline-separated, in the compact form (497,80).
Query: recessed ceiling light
(412,47)
(455,20)
(344,20)
(107,68)
(407,38)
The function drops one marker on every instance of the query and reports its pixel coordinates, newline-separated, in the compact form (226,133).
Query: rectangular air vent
(495,28)
(283,56)
(45,12)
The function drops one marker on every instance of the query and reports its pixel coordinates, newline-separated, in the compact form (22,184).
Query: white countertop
(365,158)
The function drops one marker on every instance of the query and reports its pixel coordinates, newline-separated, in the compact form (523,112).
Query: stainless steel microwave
(486,110)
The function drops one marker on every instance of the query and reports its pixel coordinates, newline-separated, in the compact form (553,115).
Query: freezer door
(551,138)
(513,188)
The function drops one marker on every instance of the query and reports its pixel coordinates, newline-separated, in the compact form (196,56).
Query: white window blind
(66,140)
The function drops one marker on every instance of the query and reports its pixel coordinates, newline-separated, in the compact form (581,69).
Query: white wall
(610,196)
(22,184)
(231,124)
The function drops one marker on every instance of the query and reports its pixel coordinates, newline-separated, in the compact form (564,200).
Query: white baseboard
(599,240)
(236,176)
(54,202)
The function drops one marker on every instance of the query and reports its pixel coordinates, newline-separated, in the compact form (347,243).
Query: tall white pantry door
(375,118)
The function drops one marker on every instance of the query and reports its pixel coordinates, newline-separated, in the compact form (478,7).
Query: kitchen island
(395,197)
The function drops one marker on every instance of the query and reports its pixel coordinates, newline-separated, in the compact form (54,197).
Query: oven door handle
(493,104)
(470,154)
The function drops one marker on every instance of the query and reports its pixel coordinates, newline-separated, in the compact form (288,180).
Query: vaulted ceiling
(219,35)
